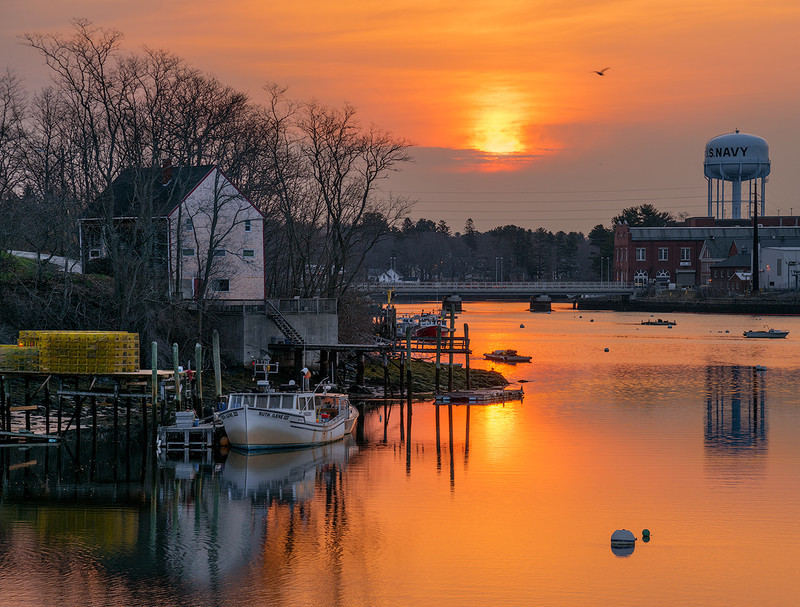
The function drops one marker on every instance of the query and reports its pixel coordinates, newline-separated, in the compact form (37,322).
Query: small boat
(423,326)
(287,419)
(767,333)
(507,356)
(660,323)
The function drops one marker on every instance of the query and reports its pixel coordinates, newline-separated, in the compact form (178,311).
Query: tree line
(313,170)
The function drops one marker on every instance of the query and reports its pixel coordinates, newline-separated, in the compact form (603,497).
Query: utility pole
(755,270)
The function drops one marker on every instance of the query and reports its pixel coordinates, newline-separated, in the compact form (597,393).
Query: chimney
(166,172)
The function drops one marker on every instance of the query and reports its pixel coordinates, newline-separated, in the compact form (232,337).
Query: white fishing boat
(767,333)
(286,419)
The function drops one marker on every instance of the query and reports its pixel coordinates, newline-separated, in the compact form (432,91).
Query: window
(188,252)
(248,226)
(640,255)
(188,224)
(94,253)
(778,267)
(686,254)
(662,253)
(221,285)
(640,278)
(219,253)
(248,253)
(662,276)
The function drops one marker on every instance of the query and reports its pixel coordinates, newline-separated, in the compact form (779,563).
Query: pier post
(78,407)
(386,384)
(360,368)
(198,375)
(217,366)
(144,415)
(60,413)
(450,349)
(402,373)
(154,390)
(3,403)
(27,404)
(93,461)
(47,406)
(466,357)
(408,368)
(177,378)
(438,357)
(115,404)
(128,435)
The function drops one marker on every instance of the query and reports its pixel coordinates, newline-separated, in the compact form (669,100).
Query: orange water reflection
(505,504)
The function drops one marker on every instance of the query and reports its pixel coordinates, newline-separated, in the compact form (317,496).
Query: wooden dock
(189,439)
(485,396)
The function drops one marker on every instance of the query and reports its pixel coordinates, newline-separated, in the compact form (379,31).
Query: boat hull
(257,429)
(774,334)
(253,428)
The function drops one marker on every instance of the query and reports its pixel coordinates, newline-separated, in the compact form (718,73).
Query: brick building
(686,254)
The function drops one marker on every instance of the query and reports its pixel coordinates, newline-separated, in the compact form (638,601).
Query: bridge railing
(554,286)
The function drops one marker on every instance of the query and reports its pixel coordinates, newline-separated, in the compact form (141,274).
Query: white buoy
(623,537)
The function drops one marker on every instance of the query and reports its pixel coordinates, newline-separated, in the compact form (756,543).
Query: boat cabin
(326,405)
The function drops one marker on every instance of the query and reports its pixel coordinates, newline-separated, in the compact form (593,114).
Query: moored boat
(507,356)
(767,333)
(659,322)
(287,419)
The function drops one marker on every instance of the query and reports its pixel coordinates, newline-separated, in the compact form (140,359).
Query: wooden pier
(483,396)
(194,439)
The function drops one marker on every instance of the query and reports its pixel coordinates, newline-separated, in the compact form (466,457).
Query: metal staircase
(284,325)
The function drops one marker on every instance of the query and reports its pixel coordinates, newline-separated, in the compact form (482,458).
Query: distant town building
(389,276)
(702,250)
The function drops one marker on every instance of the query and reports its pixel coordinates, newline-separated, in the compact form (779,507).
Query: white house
(208,238)
(390,276)
(216,238)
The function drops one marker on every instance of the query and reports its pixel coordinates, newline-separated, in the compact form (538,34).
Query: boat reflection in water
(285,476)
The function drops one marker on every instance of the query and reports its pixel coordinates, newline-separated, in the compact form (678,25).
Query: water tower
(735,157)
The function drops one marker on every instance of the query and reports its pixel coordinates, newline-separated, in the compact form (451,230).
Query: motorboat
(506,356)
(660,323)
(767,333)
(422,326)
(286,419)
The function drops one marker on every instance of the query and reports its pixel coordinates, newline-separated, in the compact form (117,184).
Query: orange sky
(509,121)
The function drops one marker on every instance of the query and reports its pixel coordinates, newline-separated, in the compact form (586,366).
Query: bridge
(503,290)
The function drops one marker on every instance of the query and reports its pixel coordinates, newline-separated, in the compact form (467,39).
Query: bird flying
(600,72)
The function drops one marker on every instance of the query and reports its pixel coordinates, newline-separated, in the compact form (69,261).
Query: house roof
(739,234)
(137,185)
(740,260)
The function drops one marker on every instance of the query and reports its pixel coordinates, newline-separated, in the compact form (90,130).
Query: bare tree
(346,165)
(12,135)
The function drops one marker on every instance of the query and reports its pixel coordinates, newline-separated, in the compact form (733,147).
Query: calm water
(673,430)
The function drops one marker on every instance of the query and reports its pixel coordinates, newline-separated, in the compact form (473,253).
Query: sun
(498,132)
(498,126)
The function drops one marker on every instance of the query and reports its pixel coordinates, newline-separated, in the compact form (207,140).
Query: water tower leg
(736,199)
